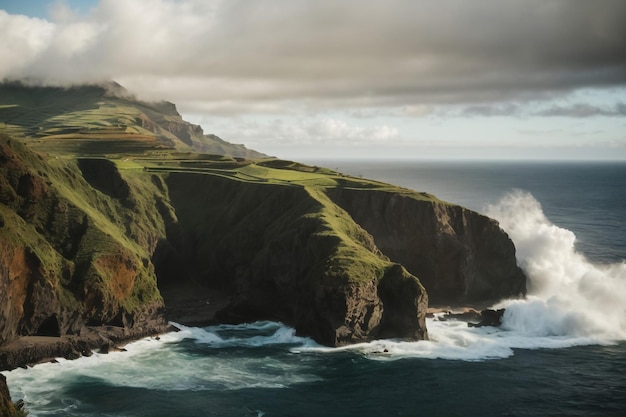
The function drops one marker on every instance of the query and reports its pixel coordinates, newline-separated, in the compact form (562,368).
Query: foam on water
(165,364)
(568,295)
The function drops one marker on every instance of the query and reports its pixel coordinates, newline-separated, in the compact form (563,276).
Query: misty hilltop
(91,119)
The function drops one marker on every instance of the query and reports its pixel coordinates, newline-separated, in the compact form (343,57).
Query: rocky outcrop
(8,408)
(31,350)
(489,317)
(475,318)
(289,254)
(460,256)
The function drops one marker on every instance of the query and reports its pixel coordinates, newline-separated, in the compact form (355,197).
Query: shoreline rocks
(7,407)
(473,317)
(31,350)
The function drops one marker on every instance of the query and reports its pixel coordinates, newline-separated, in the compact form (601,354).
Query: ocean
(560,352)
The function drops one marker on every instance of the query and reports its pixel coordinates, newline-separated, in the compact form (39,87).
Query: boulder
(489,318)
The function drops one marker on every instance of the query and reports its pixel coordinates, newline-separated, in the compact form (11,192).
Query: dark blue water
(588,198)
(581,381)
(573,368)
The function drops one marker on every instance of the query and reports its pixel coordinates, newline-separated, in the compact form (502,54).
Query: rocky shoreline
(188,304)
(30,350)
(192,308)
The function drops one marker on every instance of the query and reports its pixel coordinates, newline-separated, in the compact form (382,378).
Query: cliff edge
(97,248)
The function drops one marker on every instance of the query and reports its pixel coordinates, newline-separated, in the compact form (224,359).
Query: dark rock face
(489,317)
(103,175)
(460,256)
(406,304)
(261,243)
(60,272)
(31,350)
(7,408)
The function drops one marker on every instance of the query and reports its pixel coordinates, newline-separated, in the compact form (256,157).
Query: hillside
(101,243)
(100,119)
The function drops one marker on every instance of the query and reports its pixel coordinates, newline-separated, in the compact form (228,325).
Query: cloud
(582,110)
(323,54)
(509,109)
(23,41)
(325,131)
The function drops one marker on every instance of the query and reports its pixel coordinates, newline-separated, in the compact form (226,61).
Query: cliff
(72,256)
(106,240)
(460,256)
(85,242)
(288,253)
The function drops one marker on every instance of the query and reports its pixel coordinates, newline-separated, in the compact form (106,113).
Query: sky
(376,79)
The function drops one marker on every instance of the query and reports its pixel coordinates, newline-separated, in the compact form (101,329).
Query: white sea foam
(568,295)
(164,364)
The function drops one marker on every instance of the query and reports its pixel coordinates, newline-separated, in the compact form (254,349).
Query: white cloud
(412,75)
(324,53)
(23,40)
(330,132)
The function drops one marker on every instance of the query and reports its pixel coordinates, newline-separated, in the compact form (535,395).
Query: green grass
(353,258)
(89,120)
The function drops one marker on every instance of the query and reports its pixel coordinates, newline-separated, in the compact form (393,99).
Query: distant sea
(560,352)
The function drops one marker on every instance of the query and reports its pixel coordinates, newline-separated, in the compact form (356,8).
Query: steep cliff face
(70,255)
(83,241)
(460,256)
(288,253)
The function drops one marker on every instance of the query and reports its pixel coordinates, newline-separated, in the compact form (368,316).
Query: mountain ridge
(68,119)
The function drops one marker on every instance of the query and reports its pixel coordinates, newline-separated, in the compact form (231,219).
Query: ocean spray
(567,294)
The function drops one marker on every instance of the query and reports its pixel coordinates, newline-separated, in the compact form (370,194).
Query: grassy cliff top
(105,121)
(262,171)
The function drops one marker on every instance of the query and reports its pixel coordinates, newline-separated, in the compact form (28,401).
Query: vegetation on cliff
(72,255)
(98,119)
(104,208)
(93,230)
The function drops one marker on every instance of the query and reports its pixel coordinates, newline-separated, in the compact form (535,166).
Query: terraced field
(100,120)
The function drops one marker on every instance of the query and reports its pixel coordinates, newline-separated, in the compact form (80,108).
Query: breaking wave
(569,295)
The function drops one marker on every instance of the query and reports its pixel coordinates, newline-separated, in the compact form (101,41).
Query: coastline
(188,304)
(190,308)
(31,350)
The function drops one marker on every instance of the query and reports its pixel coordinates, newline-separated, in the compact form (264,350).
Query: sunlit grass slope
(100,120)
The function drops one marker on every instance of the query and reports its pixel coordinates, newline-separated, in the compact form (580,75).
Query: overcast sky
(304,79)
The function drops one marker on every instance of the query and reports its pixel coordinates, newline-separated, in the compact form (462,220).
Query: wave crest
(568,294)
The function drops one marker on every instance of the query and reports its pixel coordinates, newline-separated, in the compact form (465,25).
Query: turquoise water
(561,352)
